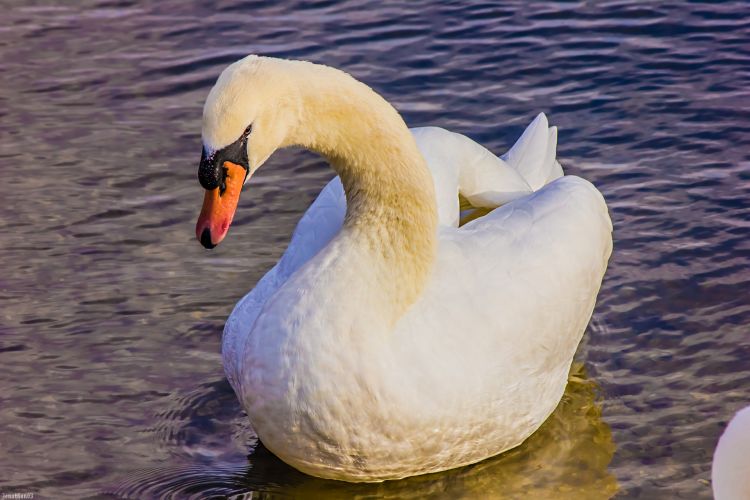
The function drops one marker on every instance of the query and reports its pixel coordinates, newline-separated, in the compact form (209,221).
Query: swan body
(730,473)
(388,341)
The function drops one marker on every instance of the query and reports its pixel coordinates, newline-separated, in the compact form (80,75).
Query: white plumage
(730,473)
(388,341)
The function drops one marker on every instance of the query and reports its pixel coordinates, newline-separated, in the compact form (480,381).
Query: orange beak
(219,207)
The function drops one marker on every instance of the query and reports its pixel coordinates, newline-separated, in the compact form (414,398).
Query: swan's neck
(391,219)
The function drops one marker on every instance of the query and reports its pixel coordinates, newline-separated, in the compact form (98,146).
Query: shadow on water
(566,458)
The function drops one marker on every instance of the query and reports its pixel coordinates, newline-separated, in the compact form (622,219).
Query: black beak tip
(206,239)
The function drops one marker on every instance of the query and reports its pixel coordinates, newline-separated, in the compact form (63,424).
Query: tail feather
(551,165)
(534,154)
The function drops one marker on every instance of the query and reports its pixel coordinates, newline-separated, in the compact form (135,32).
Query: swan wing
(526,275)
(460,165)
(550,245)
(533,154)
(486,350)
(318,225)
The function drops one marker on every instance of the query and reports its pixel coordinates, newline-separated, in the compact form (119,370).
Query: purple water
(111,313)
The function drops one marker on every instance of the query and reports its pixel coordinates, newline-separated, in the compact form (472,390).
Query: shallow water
(112,313)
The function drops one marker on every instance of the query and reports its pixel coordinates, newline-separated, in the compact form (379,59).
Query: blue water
(111,313)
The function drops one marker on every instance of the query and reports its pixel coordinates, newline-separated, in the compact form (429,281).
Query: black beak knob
(209,172)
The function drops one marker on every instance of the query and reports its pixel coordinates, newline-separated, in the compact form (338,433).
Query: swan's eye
(246,133)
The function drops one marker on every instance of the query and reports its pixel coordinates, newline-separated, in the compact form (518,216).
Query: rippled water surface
(112,313)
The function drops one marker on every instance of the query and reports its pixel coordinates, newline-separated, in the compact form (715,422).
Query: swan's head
(248,114)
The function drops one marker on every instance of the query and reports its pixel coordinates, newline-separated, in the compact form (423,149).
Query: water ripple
(112,314)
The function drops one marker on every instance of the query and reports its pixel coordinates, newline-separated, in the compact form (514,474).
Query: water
(112,313)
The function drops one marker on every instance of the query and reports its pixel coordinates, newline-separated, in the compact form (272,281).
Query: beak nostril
(206,239)
(224,177)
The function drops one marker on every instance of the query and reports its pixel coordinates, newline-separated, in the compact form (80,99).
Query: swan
(730,472)
(387,341)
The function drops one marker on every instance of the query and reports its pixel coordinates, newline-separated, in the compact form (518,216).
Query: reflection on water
(566,458)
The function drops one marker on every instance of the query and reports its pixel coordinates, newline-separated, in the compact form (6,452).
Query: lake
(111,312)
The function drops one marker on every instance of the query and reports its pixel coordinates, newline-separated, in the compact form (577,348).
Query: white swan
(388,342)
(730,473)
